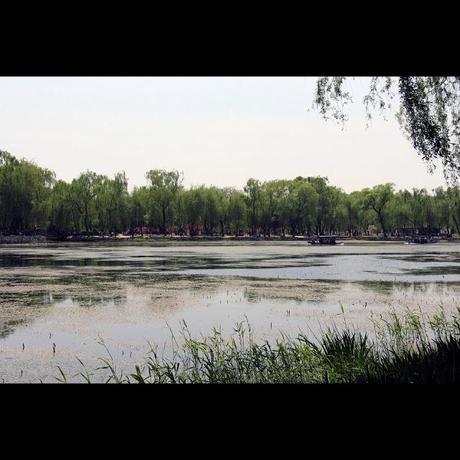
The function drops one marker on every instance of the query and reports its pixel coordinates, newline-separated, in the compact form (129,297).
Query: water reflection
(9,327)
(71,295)
(392,287)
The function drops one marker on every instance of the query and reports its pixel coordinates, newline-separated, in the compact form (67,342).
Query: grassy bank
(407,348)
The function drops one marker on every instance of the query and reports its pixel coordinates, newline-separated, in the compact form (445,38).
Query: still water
(60,301)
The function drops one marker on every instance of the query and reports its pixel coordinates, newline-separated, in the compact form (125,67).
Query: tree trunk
(382,223)
(456,224)
(163,212)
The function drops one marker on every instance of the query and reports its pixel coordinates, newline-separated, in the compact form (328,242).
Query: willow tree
(253,189)
(164,187)
(303,201)
(328,200)
(25,189)
(453,197)
(269,205)
(63,215)
(427,108)
(82,195)
(236,211)
(377,200)
(138,203)
(112,203)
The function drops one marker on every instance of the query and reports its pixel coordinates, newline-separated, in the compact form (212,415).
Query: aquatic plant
(405,348)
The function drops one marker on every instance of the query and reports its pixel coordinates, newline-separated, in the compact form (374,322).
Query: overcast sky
(218,131)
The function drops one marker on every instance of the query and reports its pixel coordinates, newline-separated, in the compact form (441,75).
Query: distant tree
(328,200)
(351,215)
(82,195)
(224,208)
(111,200)
(303,201)
(237,211)
(377,199)
(164,187)
(253,194)
(31,198)
(453,199)
(212,210)
(441,206)
(138,204)
(62,213)
(25,189)
(194,200)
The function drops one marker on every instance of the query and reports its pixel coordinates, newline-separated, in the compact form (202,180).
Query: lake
(61,301)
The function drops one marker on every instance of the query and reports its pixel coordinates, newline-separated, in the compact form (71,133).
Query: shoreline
(44,239)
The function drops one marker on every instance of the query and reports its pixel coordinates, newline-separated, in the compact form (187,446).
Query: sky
(218,131)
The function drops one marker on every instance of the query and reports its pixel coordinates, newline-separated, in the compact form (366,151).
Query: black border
(298,45)
(355,50)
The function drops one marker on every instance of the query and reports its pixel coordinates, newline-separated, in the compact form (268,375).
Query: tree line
(33,200)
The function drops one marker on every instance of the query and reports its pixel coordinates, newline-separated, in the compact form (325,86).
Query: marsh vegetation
(408,348)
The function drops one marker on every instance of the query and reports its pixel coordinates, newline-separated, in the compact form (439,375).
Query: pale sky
(218,131)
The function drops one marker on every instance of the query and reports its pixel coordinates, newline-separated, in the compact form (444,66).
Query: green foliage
(31,199)
(111,200)
(253,196)
(303,203)
(164,188)
(24,194)
(138,203)
(376,199)
(236,211)
(405,348)
(428,111)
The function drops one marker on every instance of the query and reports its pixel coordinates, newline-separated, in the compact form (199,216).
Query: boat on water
(324,239)
(421,239)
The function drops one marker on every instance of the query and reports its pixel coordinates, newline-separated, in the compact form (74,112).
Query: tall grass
(404,348)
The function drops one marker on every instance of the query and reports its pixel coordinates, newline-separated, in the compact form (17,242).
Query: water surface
(74,295)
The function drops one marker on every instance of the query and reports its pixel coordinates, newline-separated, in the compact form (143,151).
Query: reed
(404,348)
